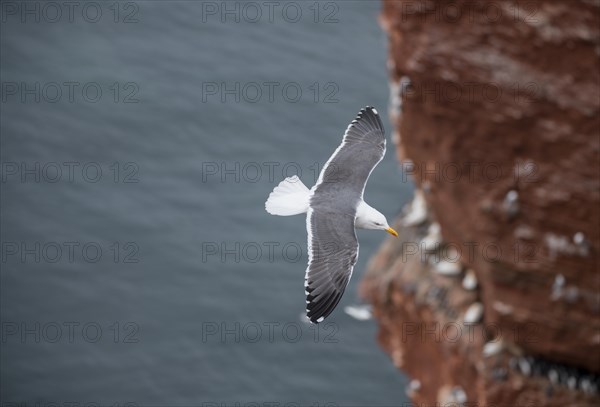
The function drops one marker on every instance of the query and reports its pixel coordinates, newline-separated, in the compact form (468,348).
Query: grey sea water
(139,141)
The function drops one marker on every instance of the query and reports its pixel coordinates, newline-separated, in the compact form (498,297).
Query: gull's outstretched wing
(332,243)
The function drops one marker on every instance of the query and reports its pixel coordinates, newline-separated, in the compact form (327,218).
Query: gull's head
(370,218)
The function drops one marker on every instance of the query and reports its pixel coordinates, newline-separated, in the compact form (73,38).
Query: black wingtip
(320,307)
(372,109)
(370,116)
(314,321)
(369,109)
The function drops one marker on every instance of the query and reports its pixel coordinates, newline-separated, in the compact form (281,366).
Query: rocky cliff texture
(492,294)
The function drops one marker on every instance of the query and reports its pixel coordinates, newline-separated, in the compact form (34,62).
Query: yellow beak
(392,232)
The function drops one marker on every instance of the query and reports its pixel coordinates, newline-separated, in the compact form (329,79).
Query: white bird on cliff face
(334,207)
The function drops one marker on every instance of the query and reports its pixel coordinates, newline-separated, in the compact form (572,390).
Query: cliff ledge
(492,293)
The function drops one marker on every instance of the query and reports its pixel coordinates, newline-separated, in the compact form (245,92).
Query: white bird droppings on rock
(502,308)
(474,313)
(447,268)
(412,388)
(561,245)
(572,383)
(492,348)
(418,211)
(553,376)
(359,312)
(470,280)
(511,204)
(459,395)
(433,241)
(524,366)
(452,396)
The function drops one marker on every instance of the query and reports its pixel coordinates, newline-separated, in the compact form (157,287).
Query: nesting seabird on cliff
(334,207)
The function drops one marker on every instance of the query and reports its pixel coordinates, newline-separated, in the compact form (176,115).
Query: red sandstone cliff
(496,108)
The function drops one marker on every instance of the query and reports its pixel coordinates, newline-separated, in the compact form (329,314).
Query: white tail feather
(288,198)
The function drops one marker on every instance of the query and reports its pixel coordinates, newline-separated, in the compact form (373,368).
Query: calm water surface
(138,262)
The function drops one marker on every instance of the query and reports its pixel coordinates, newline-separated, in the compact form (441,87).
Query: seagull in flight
(334,207)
